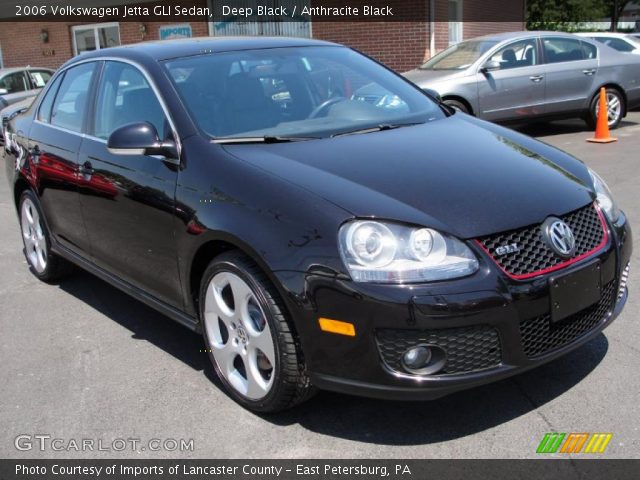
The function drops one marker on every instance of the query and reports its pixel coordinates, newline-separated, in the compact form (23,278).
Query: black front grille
(467,349)
(534,254)
(540,335)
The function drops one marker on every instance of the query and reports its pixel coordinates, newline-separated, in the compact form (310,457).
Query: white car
(623,42)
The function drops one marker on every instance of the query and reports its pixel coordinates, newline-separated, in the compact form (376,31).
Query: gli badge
(505,249)
(559,237)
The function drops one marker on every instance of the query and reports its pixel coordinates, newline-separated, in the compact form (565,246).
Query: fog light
(424,359)
(417,357)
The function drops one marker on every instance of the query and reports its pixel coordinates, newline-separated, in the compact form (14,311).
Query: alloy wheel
(614,108)
(33,234)
(239,336)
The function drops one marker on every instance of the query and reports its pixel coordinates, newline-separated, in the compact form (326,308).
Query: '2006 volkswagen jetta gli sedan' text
(251,190)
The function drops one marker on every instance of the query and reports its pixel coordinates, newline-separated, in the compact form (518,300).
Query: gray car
(19,83)
(523,75)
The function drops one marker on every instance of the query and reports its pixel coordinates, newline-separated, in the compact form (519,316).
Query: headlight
(391,253)
(604,197)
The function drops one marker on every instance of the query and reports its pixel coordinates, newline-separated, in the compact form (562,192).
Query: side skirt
(173,313)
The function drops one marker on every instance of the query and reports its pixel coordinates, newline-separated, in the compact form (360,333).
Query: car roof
(4,71)
(604,34)
(166,49)
(499,37)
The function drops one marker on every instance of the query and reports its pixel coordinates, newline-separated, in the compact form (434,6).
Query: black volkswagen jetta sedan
(317,236)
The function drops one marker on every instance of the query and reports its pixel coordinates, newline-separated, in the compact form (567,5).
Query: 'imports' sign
(170,32)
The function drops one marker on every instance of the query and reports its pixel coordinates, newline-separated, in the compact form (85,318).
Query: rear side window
(558,50)
(616,43)
(44,113)
(39,78)
(72,98)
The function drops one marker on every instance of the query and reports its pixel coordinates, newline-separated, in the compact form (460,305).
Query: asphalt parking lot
(81,360)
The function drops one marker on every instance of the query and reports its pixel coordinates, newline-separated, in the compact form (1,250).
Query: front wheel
(457,105)
(615,108)
(249,340)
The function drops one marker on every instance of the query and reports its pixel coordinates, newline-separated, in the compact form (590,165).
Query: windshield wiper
(263,139)
(376,128)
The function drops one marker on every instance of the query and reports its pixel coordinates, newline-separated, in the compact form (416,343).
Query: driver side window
(517,54)
(14,82)
(125,96)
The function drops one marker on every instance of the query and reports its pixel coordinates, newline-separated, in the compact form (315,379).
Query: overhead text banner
(254,11)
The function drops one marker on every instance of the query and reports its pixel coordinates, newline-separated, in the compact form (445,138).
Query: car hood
(461,175)
(425,77)
(15,107)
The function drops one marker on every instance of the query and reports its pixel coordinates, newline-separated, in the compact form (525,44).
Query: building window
(299,26)
(94,37)
(455,21)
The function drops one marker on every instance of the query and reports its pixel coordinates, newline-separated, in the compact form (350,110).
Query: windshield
(459,56)
(298,92)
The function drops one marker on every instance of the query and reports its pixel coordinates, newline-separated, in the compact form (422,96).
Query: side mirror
(3,91)
(141,139)
(433,94)
(490,66)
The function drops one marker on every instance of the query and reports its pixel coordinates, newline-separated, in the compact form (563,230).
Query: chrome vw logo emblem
(242,334)
(559,236)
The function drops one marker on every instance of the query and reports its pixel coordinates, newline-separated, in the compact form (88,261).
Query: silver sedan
(522,75)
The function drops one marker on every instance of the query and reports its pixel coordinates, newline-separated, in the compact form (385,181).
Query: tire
(612,95)
(458,105)
(36,239)
(248,337)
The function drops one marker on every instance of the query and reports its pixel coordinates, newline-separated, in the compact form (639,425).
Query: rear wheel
(615,108)
(249,339)
(42,262)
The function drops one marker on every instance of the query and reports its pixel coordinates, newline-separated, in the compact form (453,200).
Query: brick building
(426,27)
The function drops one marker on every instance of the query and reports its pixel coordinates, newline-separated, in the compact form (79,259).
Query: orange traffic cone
(602,125)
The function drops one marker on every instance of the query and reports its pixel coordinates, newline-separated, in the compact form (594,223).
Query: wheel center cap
(242,334)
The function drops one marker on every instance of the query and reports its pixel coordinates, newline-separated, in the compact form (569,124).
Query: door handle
(589,71)
(86,169)
(536,78)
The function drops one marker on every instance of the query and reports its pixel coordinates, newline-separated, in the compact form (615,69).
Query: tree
(564,14)
(615,9)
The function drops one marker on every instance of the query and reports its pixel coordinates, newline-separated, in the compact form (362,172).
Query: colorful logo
(574,443)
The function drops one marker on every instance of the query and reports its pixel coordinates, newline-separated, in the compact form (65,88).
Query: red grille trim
(525,276)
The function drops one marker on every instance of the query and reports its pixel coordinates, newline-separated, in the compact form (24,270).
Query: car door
(54,142)
(128,201)
(570,68)
(517,88)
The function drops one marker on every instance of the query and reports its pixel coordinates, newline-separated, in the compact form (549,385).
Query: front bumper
(490,325)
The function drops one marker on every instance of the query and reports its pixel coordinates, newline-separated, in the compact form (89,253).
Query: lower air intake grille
(468,349)
(540,336)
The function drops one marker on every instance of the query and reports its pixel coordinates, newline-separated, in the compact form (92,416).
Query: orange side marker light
(336,326)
